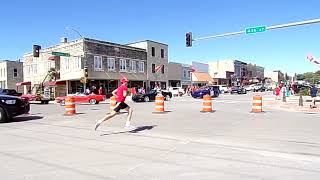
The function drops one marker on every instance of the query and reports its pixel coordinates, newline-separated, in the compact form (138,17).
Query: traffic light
(86,72)
(189,39)
(36,50)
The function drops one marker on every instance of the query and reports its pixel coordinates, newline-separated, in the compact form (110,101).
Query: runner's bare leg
(107,117)
(130,111)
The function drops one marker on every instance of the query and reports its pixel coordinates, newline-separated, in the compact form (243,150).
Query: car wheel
(93,101)
(146,99)
(3,116)
(62,103)
(167,98)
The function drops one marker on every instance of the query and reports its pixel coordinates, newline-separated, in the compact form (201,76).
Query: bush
(304,92)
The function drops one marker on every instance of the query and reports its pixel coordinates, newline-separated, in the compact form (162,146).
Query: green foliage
(304,92)
(309,77)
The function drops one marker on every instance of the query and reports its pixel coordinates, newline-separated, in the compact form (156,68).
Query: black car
(238,89)
(11,106)
(151,96)
(11,92)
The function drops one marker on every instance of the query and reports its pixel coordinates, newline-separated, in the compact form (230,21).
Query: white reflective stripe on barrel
(257,101)
(207,101)
(256,107)
(159,106)
(206,106)
(68,109)
(159,101)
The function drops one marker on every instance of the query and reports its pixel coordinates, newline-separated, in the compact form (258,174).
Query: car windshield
(152,91)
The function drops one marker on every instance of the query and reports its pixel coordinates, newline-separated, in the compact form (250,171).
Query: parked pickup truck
(10,92)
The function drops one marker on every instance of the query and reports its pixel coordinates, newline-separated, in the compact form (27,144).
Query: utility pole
(84,58)
(258,29)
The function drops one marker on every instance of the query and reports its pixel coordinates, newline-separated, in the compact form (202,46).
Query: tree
(300,77)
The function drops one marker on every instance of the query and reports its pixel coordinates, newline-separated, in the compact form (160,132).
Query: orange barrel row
(257,104)
(70,106)
(159,104)
(207,103)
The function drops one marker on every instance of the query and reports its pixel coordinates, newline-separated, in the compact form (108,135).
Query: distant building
(186,75)
(200,75)
(255,73)
(157,59)
(175,74)
(276,76)
(228,72)
(11,73)
(179,75)
(200,67)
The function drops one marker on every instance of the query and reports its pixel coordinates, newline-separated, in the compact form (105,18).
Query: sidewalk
(291,105)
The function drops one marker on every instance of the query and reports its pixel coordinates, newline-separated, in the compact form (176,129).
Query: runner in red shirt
(120,93)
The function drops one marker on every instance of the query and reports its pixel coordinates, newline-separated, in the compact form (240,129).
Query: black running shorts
(120,105)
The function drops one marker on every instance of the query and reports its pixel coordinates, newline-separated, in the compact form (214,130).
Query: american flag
(158,68)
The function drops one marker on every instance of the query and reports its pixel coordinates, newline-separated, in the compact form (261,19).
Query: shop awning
(201,77)
(23,83)
(54,83)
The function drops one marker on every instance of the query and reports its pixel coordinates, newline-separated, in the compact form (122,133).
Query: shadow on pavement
(24,118)
(138,129)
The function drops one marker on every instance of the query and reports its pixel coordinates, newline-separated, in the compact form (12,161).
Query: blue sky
(24,23)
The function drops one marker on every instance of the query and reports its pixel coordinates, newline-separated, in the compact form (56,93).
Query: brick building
(106,62)
(11,73)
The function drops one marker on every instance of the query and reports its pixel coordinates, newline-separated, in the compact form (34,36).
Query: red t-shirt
(120,97)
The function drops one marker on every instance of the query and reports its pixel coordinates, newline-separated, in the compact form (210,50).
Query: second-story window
(111,64)
(15,72)
(153,51)
(184,73)
(141,66)
(162,69)
(34,68)
(153,66)
(133,66)
(77,62)
(65,63)
(162,53)
(122,65)
(97,63)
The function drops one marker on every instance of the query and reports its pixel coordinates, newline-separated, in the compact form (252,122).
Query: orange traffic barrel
(159,108)
(257,104)
(113,102)
(207,104)
(70,106)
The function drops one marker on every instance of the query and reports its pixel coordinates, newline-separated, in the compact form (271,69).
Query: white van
(223,88)
(176,91)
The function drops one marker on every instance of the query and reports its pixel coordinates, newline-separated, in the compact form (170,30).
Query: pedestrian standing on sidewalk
(313,93)
(120,93)
(277,92)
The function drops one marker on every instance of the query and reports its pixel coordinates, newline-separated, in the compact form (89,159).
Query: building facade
(228,72)
(11,73)
(276,76)
(255,73)
(106,63)
(186,76)
(157,62)
(175,73)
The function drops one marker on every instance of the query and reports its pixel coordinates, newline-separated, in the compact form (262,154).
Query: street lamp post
(84,53)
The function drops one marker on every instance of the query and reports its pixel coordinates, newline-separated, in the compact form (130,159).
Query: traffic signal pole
(313,21)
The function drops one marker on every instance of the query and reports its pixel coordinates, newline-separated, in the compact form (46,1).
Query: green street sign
(60,54)
(257,29)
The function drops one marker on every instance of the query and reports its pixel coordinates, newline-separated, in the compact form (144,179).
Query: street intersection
(230,143)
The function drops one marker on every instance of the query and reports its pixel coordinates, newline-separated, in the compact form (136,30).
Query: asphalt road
(231,143)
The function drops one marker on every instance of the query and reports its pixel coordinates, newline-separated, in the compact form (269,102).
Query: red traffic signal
(36,50)
(189,39)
